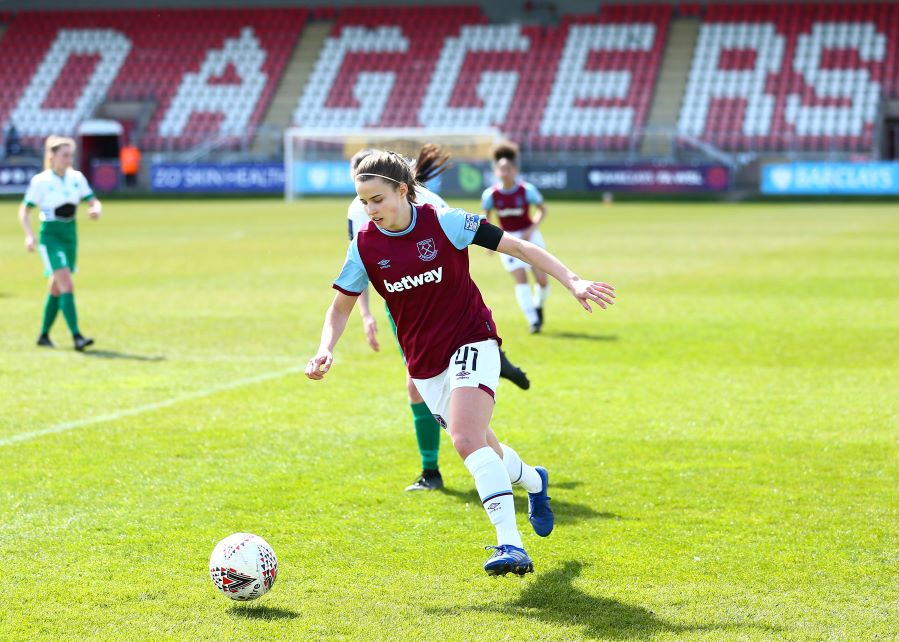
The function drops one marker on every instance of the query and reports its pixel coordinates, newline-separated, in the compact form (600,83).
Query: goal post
(317,161)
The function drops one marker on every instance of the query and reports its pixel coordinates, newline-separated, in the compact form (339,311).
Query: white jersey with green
(58,196)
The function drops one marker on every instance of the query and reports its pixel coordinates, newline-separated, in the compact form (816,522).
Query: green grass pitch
(723,442)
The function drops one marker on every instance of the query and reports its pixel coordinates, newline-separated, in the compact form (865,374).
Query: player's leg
(63,279)
(427,431)
(523,294)
(519,472)
(51,310)
(427,434)
(541,285)
(541,291)
(534,479)
(513,373)
(470,410)
(53,257)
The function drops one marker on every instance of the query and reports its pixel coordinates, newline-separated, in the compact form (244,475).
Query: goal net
(317,161)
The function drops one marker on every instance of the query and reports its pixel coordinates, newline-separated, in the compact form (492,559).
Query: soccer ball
(243,566)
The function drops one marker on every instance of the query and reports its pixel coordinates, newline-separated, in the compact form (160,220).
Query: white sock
(526,302)
(520,472)
(540,294)
(495,491)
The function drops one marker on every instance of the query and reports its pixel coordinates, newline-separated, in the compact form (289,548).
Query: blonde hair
(52,145)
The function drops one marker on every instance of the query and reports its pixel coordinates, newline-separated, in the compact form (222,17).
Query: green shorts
(58,246)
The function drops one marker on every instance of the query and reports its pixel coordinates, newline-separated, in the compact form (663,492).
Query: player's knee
(465,444)
(520,276)
(63,281)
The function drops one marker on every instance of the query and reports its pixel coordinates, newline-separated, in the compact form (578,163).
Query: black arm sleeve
(488,235)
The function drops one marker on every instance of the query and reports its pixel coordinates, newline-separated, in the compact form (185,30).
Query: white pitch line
(74,425)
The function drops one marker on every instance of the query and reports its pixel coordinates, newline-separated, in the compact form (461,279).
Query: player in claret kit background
(417,260)
(431,163)
(512,199)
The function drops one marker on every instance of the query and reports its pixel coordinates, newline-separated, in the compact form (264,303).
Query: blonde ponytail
(52,144)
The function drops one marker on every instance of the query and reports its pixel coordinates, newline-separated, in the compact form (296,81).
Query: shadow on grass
(112,354)
(553,598)
(581,335)
(262,612)
(566,512)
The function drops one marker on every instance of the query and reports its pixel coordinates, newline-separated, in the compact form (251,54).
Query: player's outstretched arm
(335,321)
(582,290)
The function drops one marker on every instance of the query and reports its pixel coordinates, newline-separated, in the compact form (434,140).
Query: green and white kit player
(56,192)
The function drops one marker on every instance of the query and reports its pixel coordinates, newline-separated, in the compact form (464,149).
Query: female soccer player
(431,163)
(417,260)
(57,191)
(511,199)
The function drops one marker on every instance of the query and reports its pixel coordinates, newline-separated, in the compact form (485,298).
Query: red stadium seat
(146,55)
(804,76)
(445,52)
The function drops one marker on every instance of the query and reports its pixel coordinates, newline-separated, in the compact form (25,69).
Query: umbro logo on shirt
(410,282)
(384,264)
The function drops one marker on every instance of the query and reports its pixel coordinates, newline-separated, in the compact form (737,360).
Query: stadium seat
(429,63)
(208,72)
(806,77)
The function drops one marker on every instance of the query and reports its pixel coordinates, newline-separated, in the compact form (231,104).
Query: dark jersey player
(431,162)
(417,261)
(512,199)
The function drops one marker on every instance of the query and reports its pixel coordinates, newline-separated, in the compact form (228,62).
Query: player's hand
(95,211)
(319,365)
(595,291)
(29,244)
(371,332)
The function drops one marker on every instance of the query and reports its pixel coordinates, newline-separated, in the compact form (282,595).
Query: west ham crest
(427,250)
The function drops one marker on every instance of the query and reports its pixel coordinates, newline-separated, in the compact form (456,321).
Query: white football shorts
(512,263)
(474,365)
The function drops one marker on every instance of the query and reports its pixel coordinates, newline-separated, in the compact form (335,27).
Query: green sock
(427,432)
(51,309)
(67,304)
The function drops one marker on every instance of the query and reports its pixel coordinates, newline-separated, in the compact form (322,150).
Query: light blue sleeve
(459,226)
(353,278)
(487,199)
(533,194)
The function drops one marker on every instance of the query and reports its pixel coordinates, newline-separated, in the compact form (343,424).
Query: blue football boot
(508,559)
(539,513)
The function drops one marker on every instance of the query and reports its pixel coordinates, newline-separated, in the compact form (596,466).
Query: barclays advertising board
(831,178)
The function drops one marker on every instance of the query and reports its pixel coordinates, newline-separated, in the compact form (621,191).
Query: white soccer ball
(243,566)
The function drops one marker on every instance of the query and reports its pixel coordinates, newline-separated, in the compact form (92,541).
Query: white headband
(381,176)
